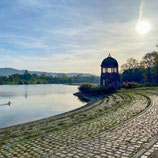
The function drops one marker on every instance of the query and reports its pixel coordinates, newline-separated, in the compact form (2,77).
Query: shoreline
(71,84)
(90,101)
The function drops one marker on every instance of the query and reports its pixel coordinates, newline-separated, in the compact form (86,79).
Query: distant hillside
(11,71)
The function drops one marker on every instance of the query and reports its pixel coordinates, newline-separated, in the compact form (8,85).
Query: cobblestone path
(150,151)
(84,132)
(123,141)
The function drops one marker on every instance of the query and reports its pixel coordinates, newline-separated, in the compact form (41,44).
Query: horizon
(74,37)
(44,71)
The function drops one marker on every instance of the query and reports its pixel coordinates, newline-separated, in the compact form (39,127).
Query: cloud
(70,36)
(38,4)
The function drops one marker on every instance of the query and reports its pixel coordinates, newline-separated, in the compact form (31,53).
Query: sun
(143,27)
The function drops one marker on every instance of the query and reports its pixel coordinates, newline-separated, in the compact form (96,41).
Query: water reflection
(82,99)
(4,105)
(32,102)
(29,90)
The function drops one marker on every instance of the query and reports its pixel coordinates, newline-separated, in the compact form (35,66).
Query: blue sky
(73,35)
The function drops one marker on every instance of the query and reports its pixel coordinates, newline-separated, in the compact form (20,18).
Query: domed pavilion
(109,73)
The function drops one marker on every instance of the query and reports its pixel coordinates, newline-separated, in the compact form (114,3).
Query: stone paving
(84,132)
(152,152)
(122,141)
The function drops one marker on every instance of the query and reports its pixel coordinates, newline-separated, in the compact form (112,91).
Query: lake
(33,102)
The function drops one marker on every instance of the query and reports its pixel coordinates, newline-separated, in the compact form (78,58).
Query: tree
(131,71)
(150,62)
(144,72)
(27,75)
(130,64)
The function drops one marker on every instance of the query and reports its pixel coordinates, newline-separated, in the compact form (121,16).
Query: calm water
(33,102)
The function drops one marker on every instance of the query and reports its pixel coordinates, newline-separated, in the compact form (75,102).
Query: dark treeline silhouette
(144,72)
(28,78)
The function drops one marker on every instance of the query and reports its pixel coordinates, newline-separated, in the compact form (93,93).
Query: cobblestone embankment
(99,130)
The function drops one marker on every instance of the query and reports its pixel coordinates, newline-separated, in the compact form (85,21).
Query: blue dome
(109,62)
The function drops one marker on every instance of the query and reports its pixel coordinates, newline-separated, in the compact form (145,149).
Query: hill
(11,71)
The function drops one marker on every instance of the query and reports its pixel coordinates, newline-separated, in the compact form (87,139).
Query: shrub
(129,85)
(86,88)
(95,90)
(20,82)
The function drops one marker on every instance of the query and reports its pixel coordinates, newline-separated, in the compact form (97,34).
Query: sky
(74,35)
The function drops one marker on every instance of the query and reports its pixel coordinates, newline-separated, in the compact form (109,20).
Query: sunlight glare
(143,27)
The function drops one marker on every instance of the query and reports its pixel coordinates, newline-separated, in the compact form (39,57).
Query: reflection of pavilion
(26,94)
(109,73)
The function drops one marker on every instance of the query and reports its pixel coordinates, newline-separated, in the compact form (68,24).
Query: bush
(95,90)
(86,88)
(20,82)
(129,85)
(26,82)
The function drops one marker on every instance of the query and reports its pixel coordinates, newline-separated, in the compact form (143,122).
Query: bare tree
(130,64)
(149,60)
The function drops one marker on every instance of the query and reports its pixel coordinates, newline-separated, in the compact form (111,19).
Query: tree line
(133,73)
(28,78)
(144,72)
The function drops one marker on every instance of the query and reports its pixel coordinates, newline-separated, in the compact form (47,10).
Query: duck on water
(9,103)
